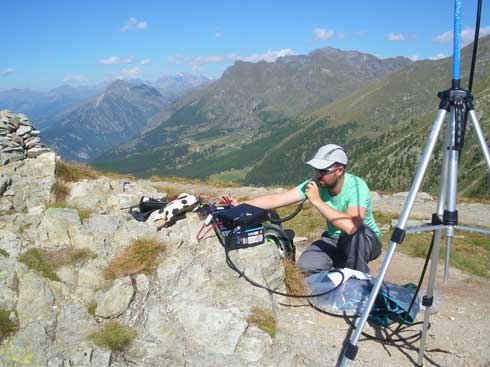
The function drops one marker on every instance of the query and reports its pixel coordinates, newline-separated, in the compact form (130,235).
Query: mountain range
(260,122)
(249,103)
(81,122)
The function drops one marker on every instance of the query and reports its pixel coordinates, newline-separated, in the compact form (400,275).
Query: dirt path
(459,330)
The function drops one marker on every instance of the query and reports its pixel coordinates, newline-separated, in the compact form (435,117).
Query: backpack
(146,206)
(392,303)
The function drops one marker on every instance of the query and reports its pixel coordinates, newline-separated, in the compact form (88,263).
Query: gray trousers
(348,251)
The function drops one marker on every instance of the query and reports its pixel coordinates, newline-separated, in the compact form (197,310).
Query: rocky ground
(459,325)
(192,311)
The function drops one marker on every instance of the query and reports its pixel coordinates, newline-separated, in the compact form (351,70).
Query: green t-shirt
(355,192)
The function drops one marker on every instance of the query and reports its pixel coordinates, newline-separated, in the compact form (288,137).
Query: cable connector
(208,220)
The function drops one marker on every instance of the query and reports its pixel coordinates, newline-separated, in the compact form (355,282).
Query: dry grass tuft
(60,192)
(264,319)
(294,279)
(141,256)
(74,172)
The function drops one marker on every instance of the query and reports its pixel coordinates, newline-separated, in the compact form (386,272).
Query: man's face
(328,177)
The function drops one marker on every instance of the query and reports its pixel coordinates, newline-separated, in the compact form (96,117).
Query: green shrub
(4,253)
(114,336)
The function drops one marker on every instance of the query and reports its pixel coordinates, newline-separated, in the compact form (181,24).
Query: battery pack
(245,238)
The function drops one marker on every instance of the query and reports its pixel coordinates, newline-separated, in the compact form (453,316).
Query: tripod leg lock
(350,351)
(427,301)
(436,220)
(398,235)
(450,218)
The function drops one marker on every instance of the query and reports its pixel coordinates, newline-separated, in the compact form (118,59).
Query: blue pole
(457,44)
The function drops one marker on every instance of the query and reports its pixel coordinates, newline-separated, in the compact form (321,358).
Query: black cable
(473,64)
(274,218)
(475,45)
(232,266)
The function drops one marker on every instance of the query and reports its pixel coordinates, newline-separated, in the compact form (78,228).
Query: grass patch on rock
(74,172)
(294,279)
(113,336)
(141,256)
(7,326)
(264,319)
(92,306)
(60,192)
(46,262)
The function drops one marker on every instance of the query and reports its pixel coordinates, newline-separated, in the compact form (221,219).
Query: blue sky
(47,43)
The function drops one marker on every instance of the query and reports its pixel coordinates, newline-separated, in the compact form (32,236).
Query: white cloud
(322,34)
(75,78)
(134,24)
(467,35)
(414,57)
(130,73)
(444,37)
(218,34)
(145,61)
(341,35)
(117,60)
(200,60)
(396,36)
(269,56)
(438,56)
(7,72)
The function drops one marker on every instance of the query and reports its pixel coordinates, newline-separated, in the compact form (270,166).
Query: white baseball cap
(328,155)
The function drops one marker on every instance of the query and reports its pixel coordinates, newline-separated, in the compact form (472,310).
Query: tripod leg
(480,137)
(454,143)
(429,296)
(350,349)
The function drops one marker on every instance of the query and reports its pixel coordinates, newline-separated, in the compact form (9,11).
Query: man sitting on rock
(352,238)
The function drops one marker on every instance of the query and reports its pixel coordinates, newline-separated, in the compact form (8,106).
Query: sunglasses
(326,171)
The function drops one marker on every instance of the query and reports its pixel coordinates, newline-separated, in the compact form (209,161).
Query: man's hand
(312,192)
(229,200)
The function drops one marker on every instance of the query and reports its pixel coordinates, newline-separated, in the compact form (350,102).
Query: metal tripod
(457,102)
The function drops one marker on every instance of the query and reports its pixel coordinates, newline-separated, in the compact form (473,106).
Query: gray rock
(24,129)
(19,140)
(58,227)
(35,300)
(114,300)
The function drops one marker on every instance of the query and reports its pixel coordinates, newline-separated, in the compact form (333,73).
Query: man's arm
(277,200)
(348,222)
